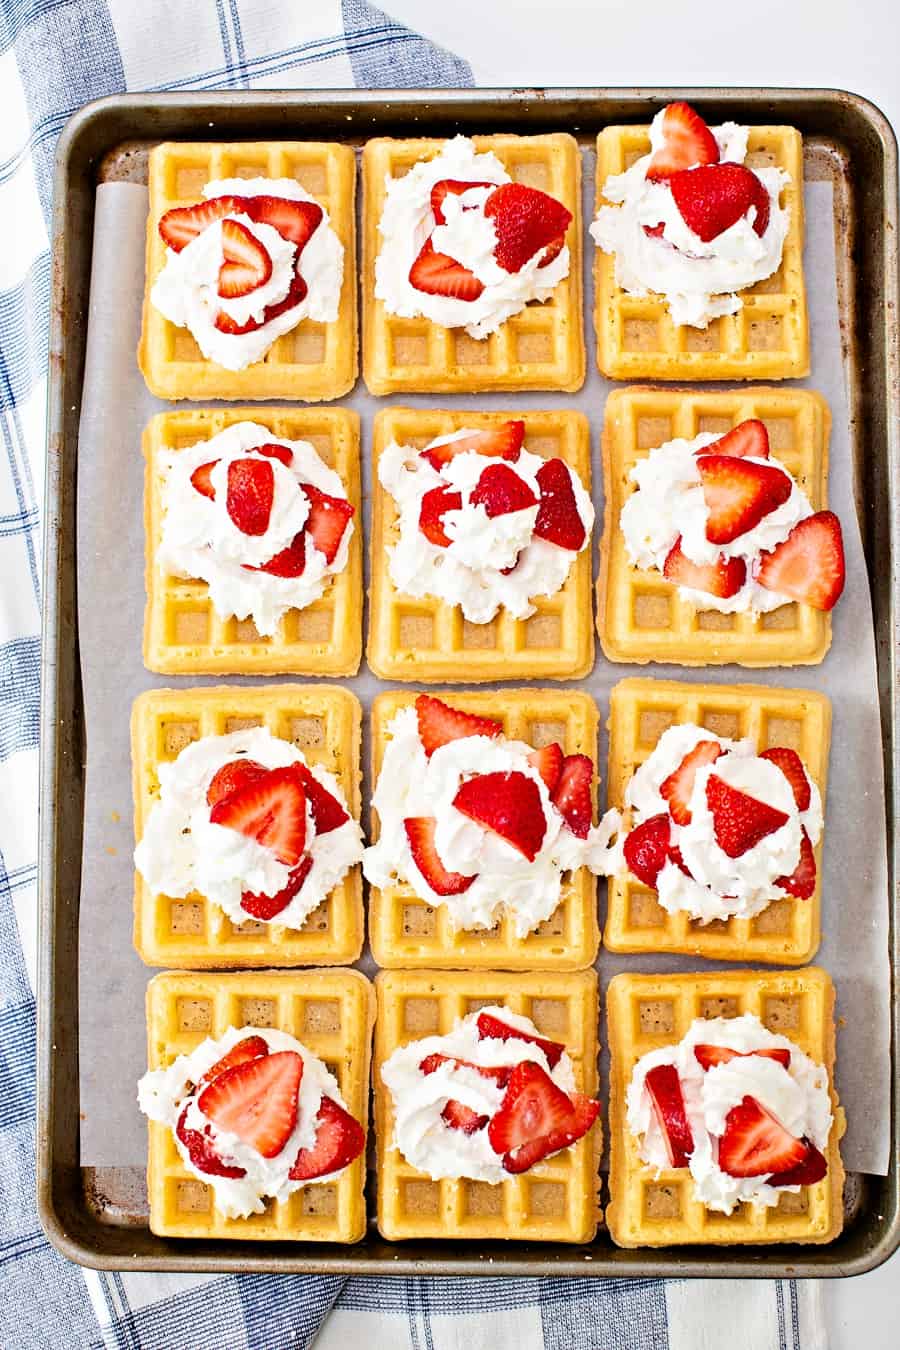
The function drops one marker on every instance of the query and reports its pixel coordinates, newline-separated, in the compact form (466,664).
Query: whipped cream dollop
(473,570)
(467,235)
(719,886)
(698,279)
(797,1096)
(669,501)
(199,538)
(182,851)
(420,1134)
(163,1094)
(411,784)
(186,290)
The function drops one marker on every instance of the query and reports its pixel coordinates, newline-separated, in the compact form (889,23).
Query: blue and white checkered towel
(56,55)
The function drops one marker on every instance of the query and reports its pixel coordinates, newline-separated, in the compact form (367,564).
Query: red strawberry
(327,520)
(502,442)
(647,848)
(296,292)
(748,438)
(431,514)
(755,1143)
(738,493)
(247,263)
(508,804)
(460,1117)
(251,1047)
(239,773)
(201,1152)
(272,450)
(688,141)
(266,907)
(201,481)
(791,765)
(294,221)
(739,820)
(339,1139)
(257,1101)
(536,1118)
(664,1087)
(655,231)
(492,1028)
(439,274)
(806,1173)
(443,187)
(809,565)
(326,810)
(557,519)
(526,221)
(251,490)
(677,788)
(572,796)
(183,223)
(549,763)
(500,490)
(271,810)
(802,882)
(420,836)
(711,198)
(289,562)
(723,578)
(553,250)
(707,1056)
(499,1073)
(439,724)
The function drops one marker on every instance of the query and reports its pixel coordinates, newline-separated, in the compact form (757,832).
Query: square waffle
(183,635)
(332,1013)
(427,639)
(405,931)
(554,1201)
(322,721)
(314,360)
(768,339)
(640,616)
(645,1012)
(788,931)
(541,347)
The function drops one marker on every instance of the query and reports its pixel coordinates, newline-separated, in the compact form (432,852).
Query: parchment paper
(116,406)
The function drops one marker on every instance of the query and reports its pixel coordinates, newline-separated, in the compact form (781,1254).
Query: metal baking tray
(99,1218)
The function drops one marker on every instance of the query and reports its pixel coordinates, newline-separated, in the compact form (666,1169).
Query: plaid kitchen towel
(56,55)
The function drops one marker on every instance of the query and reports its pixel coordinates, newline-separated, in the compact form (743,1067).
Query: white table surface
(796,43)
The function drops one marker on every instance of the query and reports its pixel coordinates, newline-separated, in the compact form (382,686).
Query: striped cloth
(54,56)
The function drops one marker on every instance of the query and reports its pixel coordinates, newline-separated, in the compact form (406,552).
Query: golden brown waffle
(645,1012)
(319,719)
(331,1013)
(183,635)
(405,931)
(541,347)
(788,932)
(314,360)
(640,616)
(428,639)
(768,339)
(554,1201)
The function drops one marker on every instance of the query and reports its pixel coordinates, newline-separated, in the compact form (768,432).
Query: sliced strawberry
(327,520)
(266,907)
(558,520)
(791,765)
(327,811)
(499,1073)
(239,773)
(738,493)
(296,292)
(272,450)
(289,562)
(755,1142)
(247,263)
(460,1117)
(723,578)
(202,1153)
(583,1114)
(339,1139)
(295,221)
(500,490)
(257,1101)
(440,724)
(677,788)
(200,479)
(667,1099)
(708,1056)
(502,442)
(450,185)
(439,274)
(749,439)
(434,504)
(553,250)
(647,848)
(251,491)
(809,565)
(739,820)
(272,811)
(678,860)
(251,1047)
(802,882)
(655,231)
(420,836)
(526,220)
(549,763)
(572,795)
(536,1118)
(711,198)
(688,141)
(805,1173)
(183,223)
(508,804)
(492,1028)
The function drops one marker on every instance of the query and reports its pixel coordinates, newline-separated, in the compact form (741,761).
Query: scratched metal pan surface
(99,1218)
